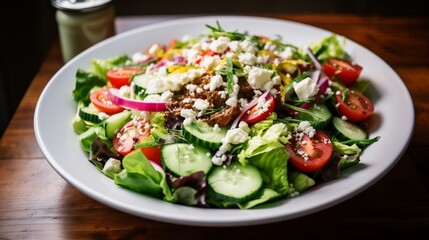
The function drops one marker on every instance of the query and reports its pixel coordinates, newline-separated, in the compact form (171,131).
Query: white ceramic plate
(393,121)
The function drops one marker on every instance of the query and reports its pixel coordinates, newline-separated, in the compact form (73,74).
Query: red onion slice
(124,102)
(314,59)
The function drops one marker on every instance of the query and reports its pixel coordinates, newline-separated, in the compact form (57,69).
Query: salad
(225,119)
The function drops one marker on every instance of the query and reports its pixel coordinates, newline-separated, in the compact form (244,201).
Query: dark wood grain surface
(36,203)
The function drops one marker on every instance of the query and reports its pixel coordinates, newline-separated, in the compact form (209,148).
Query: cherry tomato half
(101,101)
(132,133)
(119,77)
(310,154)
(356,106)
(343,69)
(257,113)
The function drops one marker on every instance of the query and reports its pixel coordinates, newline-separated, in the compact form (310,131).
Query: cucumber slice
(345,130)
(89,114)
(115,122)
(182,159)
(202,134)
(142,80)
(318,115)
(236,183)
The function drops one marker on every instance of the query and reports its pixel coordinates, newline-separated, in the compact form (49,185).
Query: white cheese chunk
(305,89)
(219,45)
(258,77)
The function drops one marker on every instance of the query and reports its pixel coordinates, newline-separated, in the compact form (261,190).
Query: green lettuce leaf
(85,81)
(266,196)
(101,66)
(300,181)
(139,175)
(273,167)
(87,138)
(331,46)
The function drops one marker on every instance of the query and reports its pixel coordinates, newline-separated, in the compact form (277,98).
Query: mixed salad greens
(224,119)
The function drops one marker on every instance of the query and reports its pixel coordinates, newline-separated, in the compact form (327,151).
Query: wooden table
(36,203)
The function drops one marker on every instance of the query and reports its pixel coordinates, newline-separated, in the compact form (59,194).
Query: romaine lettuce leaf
(273,167)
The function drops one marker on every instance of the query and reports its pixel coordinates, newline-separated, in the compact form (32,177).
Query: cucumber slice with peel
(202,134)
(182,159)
(345,130)
(236,183)
(115,122)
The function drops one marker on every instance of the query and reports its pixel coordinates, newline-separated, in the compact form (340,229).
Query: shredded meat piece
(222,114)
(224,117)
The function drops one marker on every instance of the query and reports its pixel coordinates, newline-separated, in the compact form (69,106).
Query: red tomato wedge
(153,154)
(356,106)
(347,71)
(101,101)
(119,77)
(310,154)
(260,111)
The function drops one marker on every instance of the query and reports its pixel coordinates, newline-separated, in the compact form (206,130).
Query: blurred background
(29,29)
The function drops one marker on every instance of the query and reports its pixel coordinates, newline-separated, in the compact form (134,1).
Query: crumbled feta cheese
(191,87)
(216,128)
(139,57)
(305,128)
(232,101)
(124,91)
(248,46)
(112,167)
(191,55)
(243,102)
(344,118)
(209,62)
(270,46)
(219,45)
(328,91)
(152,98)
(201,104)
(199,90)
(247,58)
(262,59)
(305,89)
(258,77)
(217,160)
(189,116)
(268,86)
(287,53)
(102,116)
(235,136)
(215,82)
(244,126)
(234,46)
(166,96)
(222,94)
